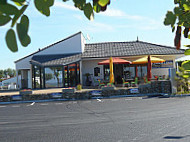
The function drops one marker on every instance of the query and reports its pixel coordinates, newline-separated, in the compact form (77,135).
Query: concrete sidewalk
(42,91)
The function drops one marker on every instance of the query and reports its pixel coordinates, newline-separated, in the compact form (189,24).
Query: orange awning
(115,61)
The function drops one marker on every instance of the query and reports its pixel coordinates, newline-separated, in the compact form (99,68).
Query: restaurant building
(68,62)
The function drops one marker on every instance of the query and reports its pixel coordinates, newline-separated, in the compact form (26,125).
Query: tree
(182,78)
(13,11)
(10,72)
(179,20)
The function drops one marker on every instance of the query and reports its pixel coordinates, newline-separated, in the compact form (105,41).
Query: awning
(184,58)
(55,60)
(115,61)
(144,60)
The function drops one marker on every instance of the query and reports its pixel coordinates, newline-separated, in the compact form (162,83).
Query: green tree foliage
(10,72)
(179,20)
(182,78)
(13,11)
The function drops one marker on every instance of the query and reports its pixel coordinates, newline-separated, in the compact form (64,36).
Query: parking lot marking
(99,100)
(115,100)
(58,103)
(128,99)
(2,106)
(31,104)
(16,106)
(44,104)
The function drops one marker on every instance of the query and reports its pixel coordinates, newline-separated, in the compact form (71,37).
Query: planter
(68,90)
(79,87)
(25,92)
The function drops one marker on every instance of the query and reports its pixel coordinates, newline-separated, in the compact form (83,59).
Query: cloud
(79,17)
(147,24)
(118,13)
(98,27)
(64,5)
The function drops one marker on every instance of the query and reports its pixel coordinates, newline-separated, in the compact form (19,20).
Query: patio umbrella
(144,60)
(115,61)
(111,70)
(148,60)
(149,67)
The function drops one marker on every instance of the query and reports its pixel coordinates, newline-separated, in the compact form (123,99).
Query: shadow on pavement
(175,137)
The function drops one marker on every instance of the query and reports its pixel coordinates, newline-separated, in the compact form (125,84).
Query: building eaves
(59,60)
(48,46)
(119,49)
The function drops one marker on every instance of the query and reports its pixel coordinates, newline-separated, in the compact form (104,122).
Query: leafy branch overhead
(12,11)
(179,20)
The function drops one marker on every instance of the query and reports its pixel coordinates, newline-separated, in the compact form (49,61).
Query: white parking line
(58,103)
(2,106)
(128,99)
(31,104)
(16,106)
(43,104)
(98,100)
(115,100)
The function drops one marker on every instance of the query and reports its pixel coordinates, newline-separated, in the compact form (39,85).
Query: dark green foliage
(182,78)
(14,11)
(180,17)
(9,71)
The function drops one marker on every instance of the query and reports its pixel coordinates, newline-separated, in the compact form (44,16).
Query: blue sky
(123,20)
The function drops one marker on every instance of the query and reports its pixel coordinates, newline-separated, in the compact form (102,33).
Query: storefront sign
(134,91)
(166,64)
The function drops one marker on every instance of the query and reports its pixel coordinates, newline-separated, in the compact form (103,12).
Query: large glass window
(53,77)
(129,72)
(36,77)
(106,72)
(60,76)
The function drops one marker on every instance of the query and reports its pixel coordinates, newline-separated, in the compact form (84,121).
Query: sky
(123,20)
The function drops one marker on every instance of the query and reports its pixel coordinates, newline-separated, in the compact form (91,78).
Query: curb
(97,97)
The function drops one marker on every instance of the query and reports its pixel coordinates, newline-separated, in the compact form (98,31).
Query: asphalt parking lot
(98,120)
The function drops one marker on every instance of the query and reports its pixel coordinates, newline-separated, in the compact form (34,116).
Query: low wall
(160,86)
(155,87)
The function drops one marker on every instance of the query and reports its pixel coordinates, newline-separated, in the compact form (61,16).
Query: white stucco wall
(69,45)
(164,71)
(29,79)
(88,67)
(160,71)
(83,42)
(23,64)
(73,44)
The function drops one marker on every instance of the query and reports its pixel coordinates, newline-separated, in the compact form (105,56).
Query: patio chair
(100,83)
(146,80)
(135,83)
(156,77)
(125,83)
(110,84)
